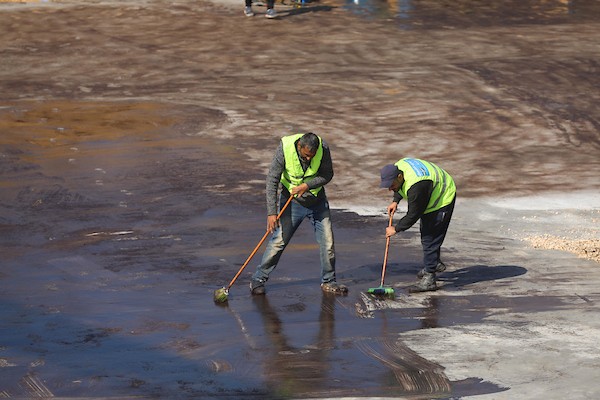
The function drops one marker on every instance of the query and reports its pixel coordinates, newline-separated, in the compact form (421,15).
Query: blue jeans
(291,219)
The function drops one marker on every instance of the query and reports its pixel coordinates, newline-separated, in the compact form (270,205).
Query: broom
(382,290)
(220,295)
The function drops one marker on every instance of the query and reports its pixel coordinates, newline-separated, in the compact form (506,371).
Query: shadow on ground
(480,273)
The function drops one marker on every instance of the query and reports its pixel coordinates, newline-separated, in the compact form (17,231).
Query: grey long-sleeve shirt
(324,175)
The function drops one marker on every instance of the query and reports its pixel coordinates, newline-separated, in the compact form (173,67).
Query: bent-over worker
(431,193)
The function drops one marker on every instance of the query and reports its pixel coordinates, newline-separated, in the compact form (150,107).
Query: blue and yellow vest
(415,170)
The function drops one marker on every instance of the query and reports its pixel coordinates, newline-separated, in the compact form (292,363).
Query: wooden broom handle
(387,246)
(259,244)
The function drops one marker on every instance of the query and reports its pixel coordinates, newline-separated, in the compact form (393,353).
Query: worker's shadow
(479,273)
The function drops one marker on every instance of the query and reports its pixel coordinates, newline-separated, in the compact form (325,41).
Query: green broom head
(382,291)
(221,295)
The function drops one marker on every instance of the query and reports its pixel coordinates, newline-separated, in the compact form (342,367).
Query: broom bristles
(382,291)
(220,295)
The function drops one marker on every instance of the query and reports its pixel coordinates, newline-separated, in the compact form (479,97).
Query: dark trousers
(270,3)
(433,231)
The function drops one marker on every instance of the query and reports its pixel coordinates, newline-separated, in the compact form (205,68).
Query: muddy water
(134,141)
(117,230)
(411,14)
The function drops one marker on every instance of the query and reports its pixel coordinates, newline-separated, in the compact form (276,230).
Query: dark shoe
(271,13)
(334,287)
(426,284)
(441,267)
(257,287)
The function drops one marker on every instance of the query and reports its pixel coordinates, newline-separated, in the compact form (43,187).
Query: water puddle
(118,225)
(416,14)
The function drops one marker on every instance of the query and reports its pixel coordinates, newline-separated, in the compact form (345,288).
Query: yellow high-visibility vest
(415,170)
(293,175)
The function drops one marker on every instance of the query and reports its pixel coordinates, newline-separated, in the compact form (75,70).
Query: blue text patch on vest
(417,166)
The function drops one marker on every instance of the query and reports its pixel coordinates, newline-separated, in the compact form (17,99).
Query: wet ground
(134,141)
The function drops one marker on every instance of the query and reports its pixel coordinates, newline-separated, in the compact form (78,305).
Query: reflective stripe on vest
(293,175)
(415,170)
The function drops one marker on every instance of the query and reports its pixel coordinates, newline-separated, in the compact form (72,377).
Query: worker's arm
(417,197)
(391,210)
(272,185)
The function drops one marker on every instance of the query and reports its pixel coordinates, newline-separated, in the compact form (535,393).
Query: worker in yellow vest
(301,167)
(431,193)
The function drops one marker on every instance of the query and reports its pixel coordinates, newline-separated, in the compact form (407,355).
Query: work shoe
(441,267)
(271,13)
(248,12)
(334,287)
(426,284)
(257,287)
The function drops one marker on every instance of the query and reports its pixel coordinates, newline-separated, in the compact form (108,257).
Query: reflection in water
(373,8)
(431,313)
(321,367)
(292,371)
(404,8)
(447,13)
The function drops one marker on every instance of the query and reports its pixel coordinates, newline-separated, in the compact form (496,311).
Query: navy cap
(388,174)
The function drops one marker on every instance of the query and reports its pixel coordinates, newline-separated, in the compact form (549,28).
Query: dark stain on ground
(118,219)
(112,247)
